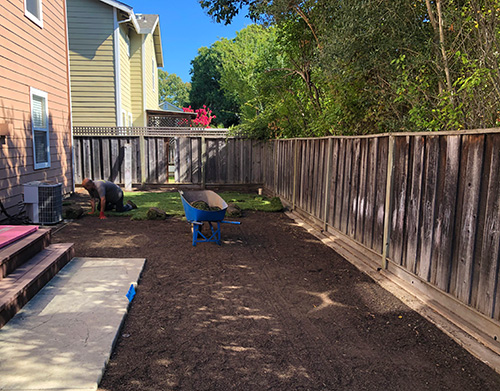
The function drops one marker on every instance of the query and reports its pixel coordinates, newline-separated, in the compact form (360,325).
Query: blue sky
(185,27)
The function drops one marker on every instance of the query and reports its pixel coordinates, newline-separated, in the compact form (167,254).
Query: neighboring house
(114,59)
(35,116)
(170,116)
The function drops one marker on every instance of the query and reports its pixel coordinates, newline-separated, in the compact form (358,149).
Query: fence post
(142,157)
(295,171)
(326,195)
(203,161)
(128,167)
(275,157)
(388,202)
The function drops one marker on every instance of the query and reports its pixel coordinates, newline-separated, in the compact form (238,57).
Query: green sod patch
(171,203)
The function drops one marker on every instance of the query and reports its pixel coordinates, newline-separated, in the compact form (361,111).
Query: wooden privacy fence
(427,203)
(196,160)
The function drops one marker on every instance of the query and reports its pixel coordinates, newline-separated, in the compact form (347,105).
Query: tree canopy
(320,67)
(172,89)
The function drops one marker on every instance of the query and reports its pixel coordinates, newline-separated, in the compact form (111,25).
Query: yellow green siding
(136,98)
(125,73)
(92,67)
(151,68)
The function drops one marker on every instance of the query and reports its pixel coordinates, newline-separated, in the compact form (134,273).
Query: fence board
(340,185)
(106,159)
(412,220)
(136,164)
(237,161)
(87,158)
(162,160)
(346,194)
(487,258)
(401,148)
(316,186)
(370,198)
(302,166)
(308,184)
(122,142)
(361,199)
(96,159)
(380,191)
(333,179)
(354,198)
(429,188)
(256,162)
(77,148)
(115,156)
(466,216)
(446,203)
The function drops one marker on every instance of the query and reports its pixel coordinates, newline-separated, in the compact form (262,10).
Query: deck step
(15,254)
(21,285)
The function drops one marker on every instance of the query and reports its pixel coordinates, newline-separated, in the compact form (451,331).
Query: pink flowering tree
(203,118)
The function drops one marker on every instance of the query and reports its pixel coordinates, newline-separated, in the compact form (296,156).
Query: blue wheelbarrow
(197,217)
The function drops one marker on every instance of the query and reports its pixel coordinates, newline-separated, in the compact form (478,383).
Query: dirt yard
(270,309)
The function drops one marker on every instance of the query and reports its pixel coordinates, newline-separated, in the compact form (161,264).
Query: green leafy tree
(206,88)
(173,89)
(365,66)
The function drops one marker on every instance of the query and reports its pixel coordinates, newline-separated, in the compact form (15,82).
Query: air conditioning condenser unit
(43,202)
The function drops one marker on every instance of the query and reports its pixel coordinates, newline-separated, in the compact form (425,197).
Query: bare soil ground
(270,309)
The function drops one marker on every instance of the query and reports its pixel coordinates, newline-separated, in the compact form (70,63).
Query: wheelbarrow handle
(231,222)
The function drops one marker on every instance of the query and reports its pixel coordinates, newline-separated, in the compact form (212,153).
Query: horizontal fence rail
(125,131)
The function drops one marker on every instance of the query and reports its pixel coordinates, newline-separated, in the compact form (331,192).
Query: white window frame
(130,120)
(46,128)
(37,19)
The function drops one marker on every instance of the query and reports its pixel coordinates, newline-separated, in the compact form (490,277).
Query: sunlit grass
(170,202)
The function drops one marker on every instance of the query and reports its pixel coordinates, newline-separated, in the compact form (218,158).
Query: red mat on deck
(11,233)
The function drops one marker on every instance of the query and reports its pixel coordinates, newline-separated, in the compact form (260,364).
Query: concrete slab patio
(63,338)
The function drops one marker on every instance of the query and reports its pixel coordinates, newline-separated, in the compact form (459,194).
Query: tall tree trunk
(437,26)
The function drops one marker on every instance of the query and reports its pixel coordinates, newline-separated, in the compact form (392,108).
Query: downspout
(116,41)
(143,65)
(142,146)
(70,112)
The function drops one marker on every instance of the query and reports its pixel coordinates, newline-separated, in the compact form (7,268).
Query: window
(40,128)
(130,120)
(33,11)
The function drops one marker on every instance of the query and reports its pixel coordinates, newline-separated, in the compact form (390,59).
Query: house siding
(136,80)
(91,50)
(125,73)
(150,59)
(32,57)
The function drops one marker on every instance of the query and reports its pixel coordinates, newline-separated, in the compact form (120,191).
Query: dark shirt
(107,189)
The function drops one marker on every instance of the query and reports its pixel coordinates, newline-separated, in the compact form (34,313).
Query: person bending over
(109,195)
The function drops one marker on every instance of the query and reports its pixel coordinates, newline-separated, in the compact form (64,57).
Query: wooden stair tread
(16,253)
(20,286)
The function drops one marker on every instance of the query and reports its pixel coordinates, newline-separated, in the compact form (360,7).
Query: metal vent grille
(50,204)
(44,202)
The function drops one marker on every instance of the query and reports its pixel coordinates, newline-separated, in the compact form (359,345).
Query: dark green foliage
(206,88)
(365,66)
